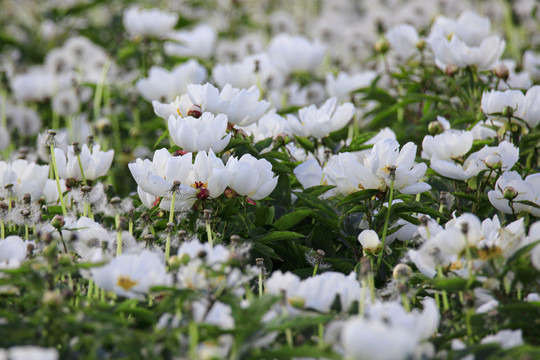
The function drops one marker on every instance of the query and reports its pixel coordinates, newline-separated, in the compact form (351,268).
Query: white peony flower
(457,53)
(164,86)
(510,189)
(199,42)
(343,84)
(403,39)
(200,134)
(295,53)
(386,161)
(450,144)
(22,177)
(321,122)
(271,125)
(242,106)
(531,64)
(524,107)
(12,251)
(148,22)
(158,178)
(251,177)
(94,163)
(131,275)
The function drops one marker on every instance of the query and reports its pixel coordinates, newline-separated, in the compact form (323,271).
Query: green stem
(383,241)
(260,282)
(90,289)
(193,340)
(62,202)
(405,301)
(209,234)
(99,90)
(321,335)
(118,234)
(81,168)
(171,218)
(315,269)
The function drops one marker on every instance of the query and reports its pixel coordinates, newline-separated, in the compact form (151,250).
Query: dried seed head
(402,272)
(76,148)
(442,197)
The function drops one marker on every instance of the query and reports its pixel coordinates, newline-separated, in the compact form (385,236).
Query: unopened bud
(402,272)
(370,241)
(52,298)
(71,183)
(230,193)
(202,193)
(510,193)
(501,71)
(194,111)
(58,221)
(435,128)
(451,69)
(421,44)
(382,46)
(297,302)
(508,111)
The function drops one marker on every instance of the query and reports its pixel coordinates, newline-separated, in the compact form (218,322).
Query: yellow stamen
(125,282)
(199,184)
(179,113)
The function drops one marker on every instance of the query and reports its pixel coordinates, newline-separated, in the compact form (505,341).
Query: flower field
(270,179)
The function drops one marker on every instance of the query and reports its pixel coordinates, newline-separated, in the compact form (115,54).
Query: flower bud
(370,241)
(402,272)
(421,44)
(435,128)
(202,193)
(493,161)
(230,193)
(179,153)
(297,302)
(451,69)
(501,71)
(510,193)
(382,46)
(194,111)
(71,183)
(58,221)
(508,111)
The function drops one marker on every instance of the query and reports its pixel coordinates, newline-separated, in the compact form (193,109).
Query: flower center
(199,184)
(125,282)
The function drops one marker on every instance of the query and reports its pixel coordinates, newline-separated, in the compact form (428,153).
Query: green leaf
(264,215)
(358,196)
(297,322)
(277,236)
(263,144)
(287,221)
(161,137)
(287,352)
(265,251)
(521,251)
(305,143)
(318,189)
(454,284)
